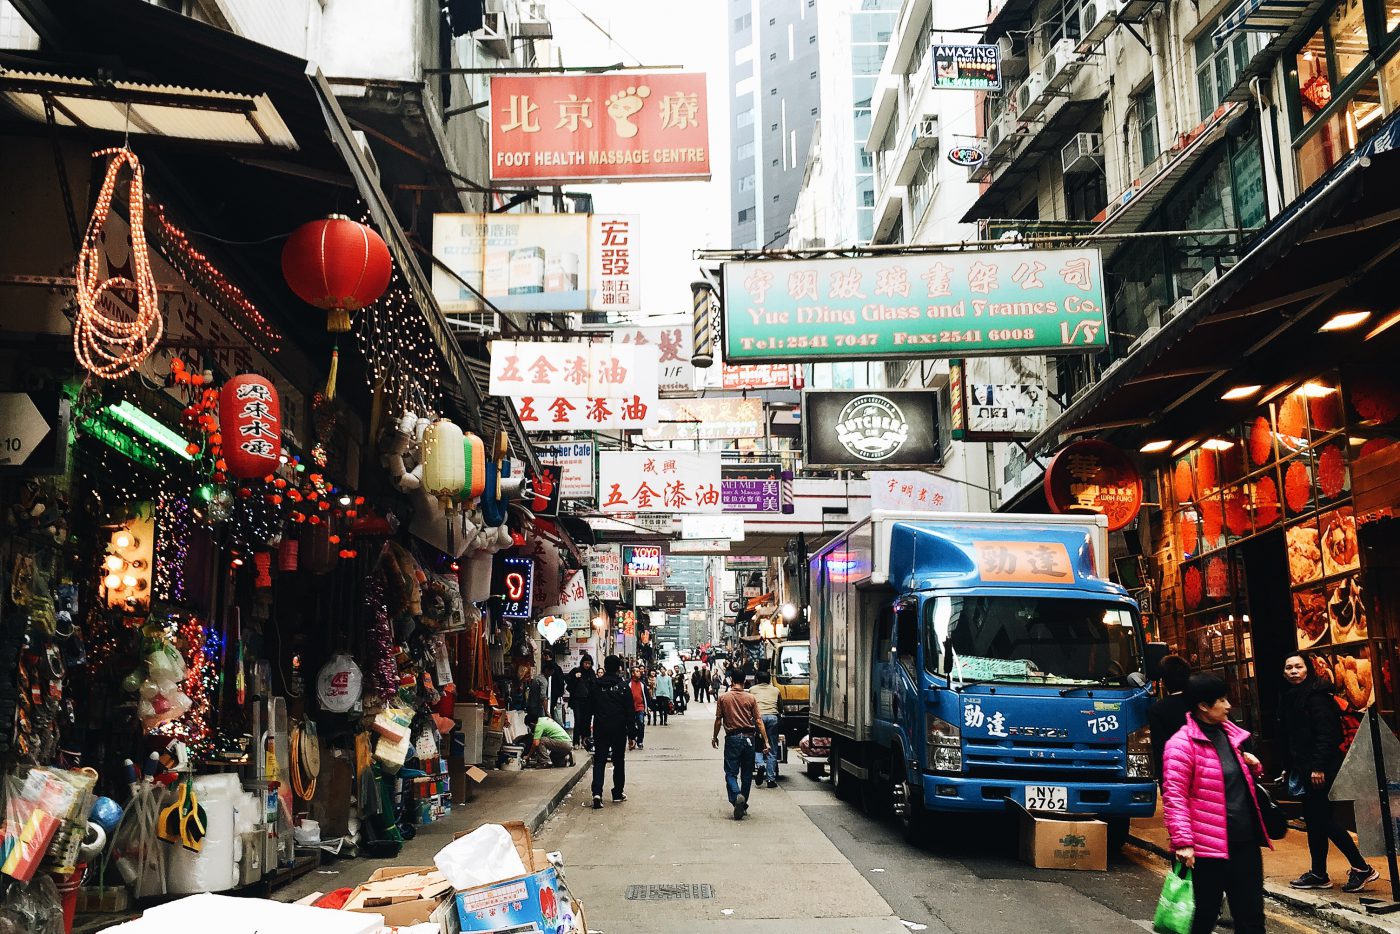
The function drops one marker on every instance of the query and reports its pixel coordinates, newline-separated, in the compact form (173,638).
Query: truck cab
(791,671)
(962,662)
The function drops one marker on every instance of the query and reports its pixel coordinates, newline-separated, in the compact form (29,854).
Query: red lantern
(250,419)
(338,265)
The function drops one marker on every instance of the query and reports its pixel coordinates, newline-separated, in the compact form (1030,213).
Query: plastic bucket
(68,894)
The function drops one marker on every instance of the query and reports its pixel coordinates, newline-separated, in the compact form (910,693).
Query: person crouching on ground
(549,743)
(737,713)
(1211,809)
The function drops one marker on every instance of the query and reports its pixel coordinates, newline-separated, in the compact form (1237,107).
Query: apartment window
(1062,21)
(1146,103)
(814,76)
(745,215)
(1086,194)
(775,199)
(746,183)
(745,118)
(775,163)
(1218,69)
(921,44)
(744,151)
(814,111)
(867,199)
(743,22)
(924,182)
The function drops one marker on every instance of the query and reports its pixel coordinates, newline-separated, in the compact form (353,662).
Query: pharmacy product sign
(985,303)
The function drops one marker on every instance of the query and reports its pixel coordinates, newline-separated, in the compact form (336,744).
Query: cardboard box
(402,894)
(537,901)
(1051,840)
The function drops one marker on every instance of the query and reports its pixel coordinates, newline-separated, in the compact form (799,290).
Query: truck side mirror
(1156,651)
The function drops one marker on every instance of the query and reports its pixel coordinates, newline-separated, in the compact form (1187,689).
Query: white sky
(676,217)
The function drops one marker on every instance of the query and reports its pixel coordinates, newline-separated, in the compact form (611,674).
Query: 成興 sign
(607,128)
(658,481)
(872,428)
(985,303)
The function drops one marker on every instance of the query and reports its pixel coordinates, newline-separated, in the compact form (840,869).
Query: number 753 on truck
(960,661)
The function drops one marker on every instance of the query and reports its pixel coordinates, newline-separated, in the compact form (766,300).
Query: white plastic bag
(484,856)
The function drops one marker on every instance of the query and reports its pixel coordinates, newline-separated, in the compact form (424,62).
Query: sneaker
(1311,880)
(597,802)
(741,806)
(619,797)
(772,784)
(1358,879)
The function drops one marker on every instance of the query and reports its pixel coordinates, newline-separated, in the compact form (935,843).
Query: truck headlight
(1140,753)
(944,743)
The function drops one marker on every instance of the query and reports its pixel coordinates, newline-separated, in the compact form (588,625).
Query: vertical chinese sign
(659,481)
(601,128)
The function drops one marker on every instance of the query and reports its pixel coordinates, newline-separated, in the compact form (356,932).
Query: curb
(1319,907)
(536,819)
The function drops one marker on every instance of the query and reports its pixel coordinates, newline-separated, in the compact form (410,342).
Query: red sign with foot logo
(577,128)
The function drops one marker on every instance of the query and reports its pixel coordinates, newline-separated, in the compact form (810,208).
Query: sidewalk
(1288,860)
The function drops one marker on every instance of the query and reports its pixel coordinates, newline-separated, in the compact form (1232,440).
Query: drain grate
(670,891)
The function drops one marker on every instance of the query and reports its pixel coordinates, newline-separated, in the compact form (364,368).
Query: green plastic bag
(1177,906)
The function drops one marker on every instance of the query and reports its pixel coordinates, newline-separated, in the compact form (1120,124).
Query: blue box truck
(963,661)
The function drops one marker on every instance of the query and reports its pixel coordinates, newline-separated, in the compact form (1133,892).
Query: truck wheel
(842,782)
(1118,829)
(909,809)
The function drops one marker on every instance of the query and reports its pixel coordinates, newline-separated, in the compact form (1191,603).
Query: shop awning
(1282,34)
(1337,245)
(1259,16)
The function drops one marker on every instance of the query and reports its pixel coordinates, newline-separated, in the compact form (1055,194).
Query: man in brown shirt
(737,711)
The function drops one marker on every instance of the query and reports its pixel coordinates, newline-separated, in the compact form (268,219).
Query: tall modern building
(774,71)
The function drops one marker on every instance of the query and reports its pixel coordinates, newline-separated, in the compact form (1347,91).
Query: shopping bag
(1177,906)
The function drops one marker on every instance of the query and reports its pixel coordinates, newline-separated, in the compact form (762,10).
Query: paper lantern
(475,451)
(336,264)
(444,461)
(250,420)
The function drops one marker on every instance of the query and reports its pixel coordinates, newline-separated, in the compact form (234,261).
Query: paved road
(804,858)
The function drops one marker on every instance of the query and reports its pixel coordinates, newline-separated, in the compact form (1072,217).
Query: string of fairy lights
(398,354)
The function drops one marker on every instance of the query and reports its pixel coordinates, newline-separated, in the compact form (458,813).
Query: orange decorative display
(338,265)
(1024,563)
(1183,482)
(1094,476)
(1261,441)
(250,421)
(1266,511)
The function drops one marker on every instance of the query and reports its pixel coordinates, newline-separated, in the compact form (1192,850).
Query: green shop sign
(985,303)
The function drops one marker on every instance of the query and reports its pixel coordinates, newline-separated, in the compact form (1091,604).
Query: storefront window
(1314,81)
(1342,132)
(1347,25)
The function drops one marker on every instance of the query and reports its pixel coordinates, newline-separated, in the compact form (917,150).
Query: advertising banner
(670,600)
(700,546)
(762,376)
(575,462)
(749,488)
(536,262)
(872,428)
(559,413)
(984,303)
(673,345)
(573,599)
(641,560)
(729,528)
(999,398)
(573,370)
(600,128)
(706,419)
(605,571)
(966,67)
(658,481)
(915,491)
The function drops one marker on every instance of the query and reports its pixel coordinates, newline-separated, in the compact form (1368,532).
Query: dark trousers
(1240,879)
(639,727)
(1317,811)
(583,722)
(608,744)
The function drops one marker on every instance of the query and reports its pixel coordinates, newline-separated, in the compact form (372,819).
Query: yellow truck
(790,670)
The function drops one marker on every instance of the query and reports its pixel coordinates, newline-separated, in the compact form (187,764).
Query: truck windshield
(1040,640)
(794,662)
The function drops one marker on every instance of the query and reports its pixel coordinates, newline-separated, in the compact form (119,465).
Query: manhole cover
(669,891)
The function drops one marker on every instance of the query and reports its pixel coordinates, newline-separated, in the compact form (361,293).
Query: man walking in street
(765,692)
(737,712)
(699,682)
(581,683)
(639,709)
(612,720)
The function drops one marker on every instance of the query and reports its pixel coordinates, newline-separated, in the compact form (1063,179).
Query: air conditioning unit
(494,34)
(1208,280)
(1141,340)
(1060,64)
(1083,153)
(1030,97)
(1001,135)
(1176,308)
(1096,20)
(1012,62)
(925,133)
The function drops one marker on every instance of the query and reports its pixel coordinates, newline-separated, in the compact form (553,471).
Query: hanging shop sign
(868,429)
(605,128)
(573,370)
(729,528)
(985,303)
(915,491)
(675,373)
(32,425)
(745,562)
(560,413)
(762,376)
(536,262)
(573,600)
(658,481)
(700,546)
(515,585)
(544,491)
(998,398)
(641,560)
(706,419)
(575,462)
(750,488)
(968,156)
(966,67)
(670,600)
(605,571)
(1094,476)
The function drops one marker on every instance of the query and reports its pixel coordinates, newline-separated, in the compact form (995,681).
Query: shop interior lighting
(114,563)
(1240,392)
(124,540)
(113,582)
(1217,444)
(1315,390)
(1386,323)
(1152,447)
(1345,320)
(1183,447)
(149,428)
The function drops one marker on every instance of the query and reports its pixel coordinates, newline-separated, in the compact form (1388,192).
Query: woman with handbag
(1213,810)
(1310,730)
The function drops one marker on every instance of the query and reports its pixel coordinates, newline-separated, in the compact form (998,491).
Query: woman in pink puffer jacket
(1212,810)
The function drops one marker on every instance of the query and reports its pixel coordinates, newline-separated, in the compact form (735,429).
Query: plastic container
(215,867)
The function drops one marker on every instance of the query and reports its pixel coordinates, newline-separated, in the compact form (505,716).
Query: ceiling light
(1152,447)
(1183,447)
(1345,320)
(1388,322)
(1356,440)
(1315,390)
(1217,444)
(1240,392)
(114,563)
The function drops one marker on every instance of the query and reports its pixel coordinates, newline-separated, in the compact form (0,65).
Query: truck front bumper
(1105,799)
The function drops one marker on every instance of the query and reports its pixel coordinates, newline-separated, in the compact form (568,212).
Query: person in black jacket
(1169,714)
(612,720)
(581,683)
(1310,728)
